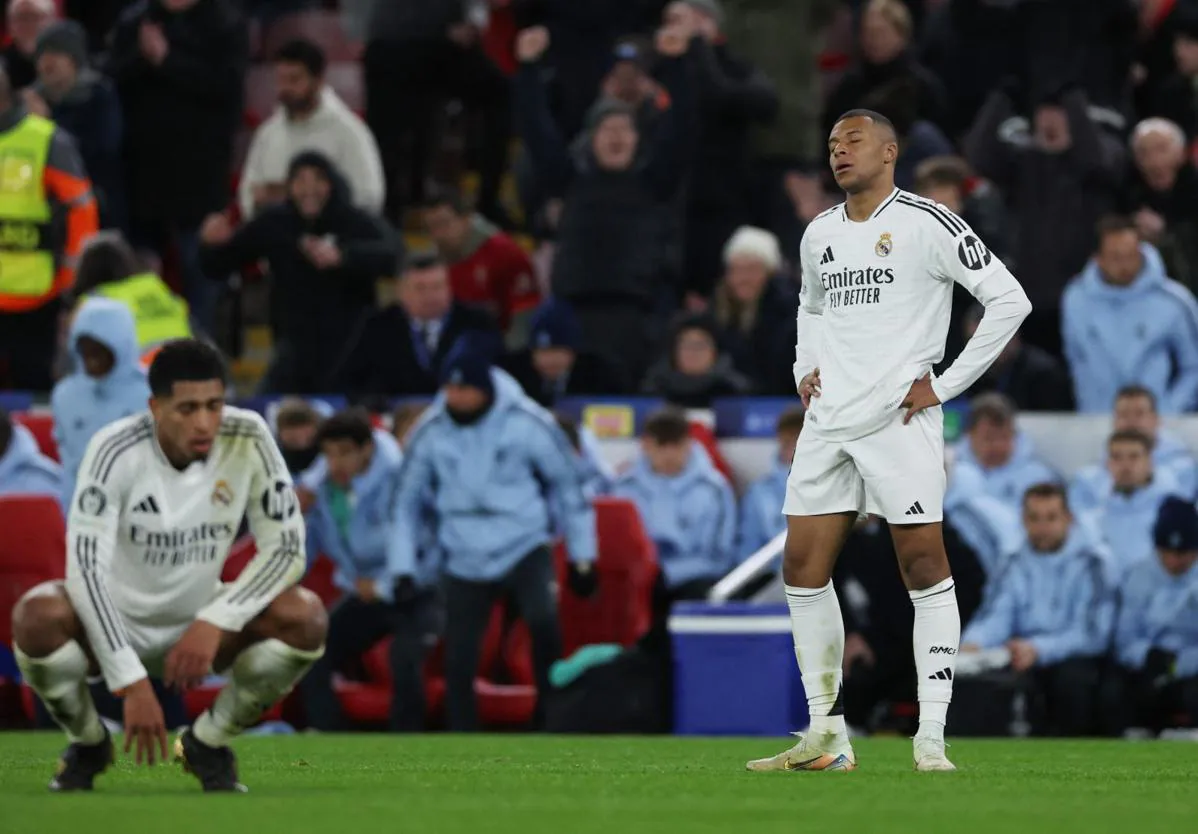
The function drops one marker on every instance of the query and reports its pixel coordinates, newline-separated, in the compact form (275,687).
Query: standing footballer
(158,503)
(878,273)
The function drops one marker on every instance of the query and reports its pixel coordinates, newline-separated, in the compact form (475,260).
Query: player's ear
(891,153)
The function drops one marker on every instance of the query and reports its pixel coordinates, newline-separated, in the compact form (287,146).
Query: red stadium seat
(620,612)
(32,550)
(323,28)
(706,438)
(500,704)
(41,426)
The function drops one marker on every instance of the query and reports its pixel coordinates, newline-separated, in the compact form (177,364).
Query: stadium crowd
(607,197)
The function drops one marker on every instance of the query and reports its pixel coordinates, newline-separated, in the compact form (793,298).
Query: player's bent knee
(298,618)
(41,620)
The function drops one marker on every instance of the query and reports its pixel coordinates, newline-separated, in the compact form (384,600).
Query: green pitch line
(501,784)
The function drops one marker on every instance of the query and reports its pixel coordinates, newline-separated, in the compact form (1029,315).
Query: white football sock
(260,676)
(818,630)
(936,639)
(60,680)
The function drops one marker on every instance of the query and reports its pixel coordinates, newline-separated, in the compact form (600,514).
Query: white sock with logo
(60,680)
(260,676)
(818,630)
(936,639)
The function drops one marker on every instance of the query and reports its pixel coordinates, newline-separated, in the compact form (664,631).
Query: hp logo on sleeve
(279,501)
(973,253)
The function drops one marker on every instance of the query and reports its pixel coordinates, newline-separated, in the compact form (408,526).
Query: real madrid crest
(884,245)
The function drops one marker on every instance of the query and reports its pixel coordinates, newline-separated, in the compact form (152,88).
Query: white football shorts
(897,472)
(152,641)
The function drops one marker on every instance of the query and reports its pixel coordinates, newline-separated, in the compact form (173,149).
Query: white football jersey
(146,543)
(875,307)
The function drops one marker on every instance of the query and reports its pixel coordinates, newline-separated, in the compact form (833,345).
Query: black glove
(583,580)
(1158,665)
(404,591)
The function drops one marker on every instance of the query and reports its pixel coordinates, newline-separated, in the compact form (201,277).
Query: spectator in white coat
(310,117)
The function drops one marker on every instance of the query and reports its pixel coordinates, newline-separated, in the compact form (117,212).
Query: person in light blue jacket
(990,527)
(107,384)
(686,505)
(1126,512)
(1155,675)
(990,450)
(496,462)
(1124,321)
(1052,608)
(761,516)
(1135,410)
(594,473)
(349,523)
(24,470)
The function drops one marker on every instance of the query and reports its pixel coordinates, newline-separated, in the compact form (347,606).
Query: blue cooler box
(735,671)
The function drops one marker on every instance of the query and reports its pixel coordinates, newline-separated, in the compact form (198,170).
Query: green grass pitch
(376,784)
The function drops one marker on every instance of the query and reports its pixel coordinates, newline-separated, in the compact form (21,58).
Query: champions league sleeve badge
(884,245)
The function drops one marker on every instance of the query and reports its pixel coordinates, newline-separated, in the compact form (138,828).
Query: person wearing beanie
(37,265)
(1155,676)
(754,308)
(1052,608)
(616,256)
(25,20)
(85,104)
(552,366)
(696,372)
(501,474)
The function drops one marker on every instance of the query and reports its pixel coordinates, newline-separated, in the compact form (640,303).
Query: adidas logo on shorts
(914,509)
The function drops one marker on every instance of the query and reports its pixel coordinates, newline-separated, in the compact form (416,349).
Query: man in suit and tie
(400,349)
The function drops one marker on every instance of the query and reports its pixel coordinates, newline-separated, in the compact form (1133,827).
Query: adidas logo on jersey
(828,257)
(147,505)
(914,509)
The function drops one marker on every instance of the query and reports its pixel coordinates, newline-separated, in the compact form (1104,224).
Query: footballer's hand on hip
(919,397)
(809,387)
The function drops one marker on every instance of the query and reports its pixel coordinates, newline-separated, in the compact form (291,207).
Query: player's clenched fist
(532,43)
(809,387)
(145,726)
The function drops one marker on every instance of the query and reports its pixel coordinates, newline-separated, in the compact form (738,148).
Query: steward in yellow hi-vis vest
(160,314)
(46,213)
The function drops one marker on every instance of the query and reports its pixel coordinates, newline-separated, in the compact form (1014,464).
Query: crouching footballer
(159,501)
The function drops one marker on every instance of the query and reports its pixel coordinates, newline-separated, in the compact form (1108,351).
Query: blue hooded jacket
(1157,610)
(1006,483)
(24,470)
(489,482)
(83,405)
(1126,521)
(761,515)
(1169,456)
(1060,602)
(362,552)
(596,475)
(691,517)
(1145,333)
(991,528)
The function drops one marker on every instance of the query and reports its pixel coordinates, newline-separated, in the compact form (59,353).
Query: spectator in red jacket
(486,267)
